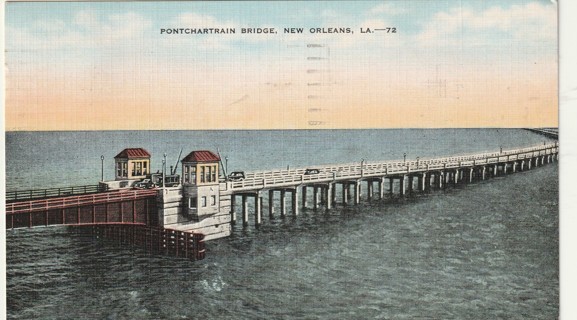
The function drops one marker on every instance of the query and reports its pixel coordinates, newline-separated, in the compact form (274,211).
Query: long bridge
(400,176)
(178,219)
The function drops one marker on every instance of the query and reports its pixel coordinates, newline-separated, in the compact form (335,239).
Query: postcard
(282,159)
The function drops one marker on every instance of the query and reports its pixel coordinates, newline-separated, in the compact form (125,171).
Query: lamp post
(404,157)
(102,168)
(164,170)
(418,158)
(226,165)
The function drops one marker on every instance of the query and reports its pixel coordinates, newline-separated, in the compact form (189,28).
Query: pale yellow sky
(87,66)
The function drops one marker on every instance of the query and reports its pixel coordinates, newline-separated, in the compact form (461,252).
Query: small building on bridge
(200,180)
(132,164)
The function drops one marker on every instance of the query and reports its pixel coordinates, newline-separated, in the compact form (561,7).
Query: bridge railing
(358,170)
(18,195)
(76,201)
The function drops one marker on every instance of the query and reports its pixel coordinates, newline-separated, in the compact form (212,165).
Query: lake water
(487,250)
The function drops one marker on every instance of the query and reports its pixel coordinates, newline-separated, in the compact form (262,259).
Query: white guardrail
(279,178)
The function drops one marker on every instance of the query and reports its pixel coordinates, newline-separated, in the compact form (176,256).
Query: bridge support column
(334,194)
(471,170)
(495,168)
(529,163)
(315,197)
(329,195)
(421,181)
(402,182)
(304,202)
(391,185)
(369,190)
(257,210)
(283,203)
(410,183)
(446,177)
(232,210)
(244,210)
(456,176)
(483,172)
(271,203)
(357,186)
(505,167)
(514,166)
(294,200)
(522,165)
(382,188)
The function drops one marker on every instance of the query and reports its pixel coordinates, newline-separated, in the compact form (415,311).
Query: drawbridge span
(129,217)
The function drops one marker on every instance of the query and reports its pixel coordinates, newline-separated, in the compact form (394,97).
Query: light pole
(225,165)
(404,157)
(102,168)
(164,170)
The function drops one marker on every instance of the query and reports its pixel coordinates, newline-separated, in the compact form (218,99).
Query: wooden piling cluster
(154,239)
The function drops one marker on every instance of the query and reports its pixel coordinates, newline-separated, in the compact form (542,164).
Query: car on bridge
(144,184)
(312,171)
(236,176)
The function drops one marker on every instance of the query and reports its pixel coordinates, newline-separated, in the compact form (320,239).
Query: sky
(450,64)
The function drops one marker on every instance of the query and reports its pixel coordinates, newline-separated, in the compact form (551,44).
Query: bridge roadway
(432,172)
(548,132)
(259,180)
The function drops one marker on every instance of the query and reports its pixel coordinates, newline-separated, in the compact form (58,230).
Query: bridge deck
(19,195)
(77,201)
(353,171)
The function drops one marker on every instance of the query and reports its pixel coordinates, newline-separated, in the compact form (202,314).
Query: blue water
(487,250)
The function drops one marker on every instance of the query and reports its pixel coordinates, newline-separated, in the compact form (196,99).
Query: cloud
(86,30)
(388,8)
(195,20)
(530,22)
(85,18)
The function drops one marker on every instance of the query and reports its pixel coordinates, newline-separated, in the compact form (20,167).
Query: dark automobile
(144,184)
(236,176)
(312,171)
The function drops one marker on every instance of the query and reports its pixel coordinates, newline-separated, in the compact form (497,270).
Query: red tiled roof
(133,153)
(201,156)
